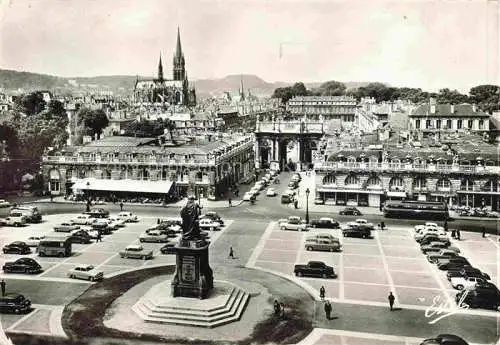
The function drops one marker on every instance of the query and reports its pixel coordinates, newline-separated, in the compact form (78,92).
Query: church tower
(160,70)
(179,62)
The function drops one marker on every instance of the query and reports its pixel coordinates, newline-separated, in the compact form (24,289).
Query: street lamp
(307,205)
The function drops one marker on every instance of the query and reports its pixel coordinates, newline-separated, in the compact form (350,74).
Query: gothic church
(170,92)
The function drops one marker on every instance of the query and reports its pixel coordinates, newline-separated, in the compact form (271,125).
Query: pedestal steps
(206,313)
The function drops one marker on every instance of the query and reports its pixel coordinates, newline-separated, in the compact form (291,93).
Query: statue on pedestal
(190,220)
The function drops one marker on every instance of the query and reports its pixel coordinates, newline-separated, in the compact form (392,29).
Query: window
(351,159)
(329,180)
(459,124)
(467,185)
(419,183)
(417,124)
(481,124)
(373,182)
(428,124)
(396,183)
(470,124)
(443,184)
(438,124)
(352,180)
(448,124)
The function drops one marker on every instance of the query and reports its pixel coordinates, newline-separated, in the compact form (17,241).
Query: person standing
(3,284)
(230,202)
(391,299)
(282,307)
(446,225)
(277,308)
(458,234)
(231,253)
(322,293)
(296,204)
(484,232)
(328,310)
(99,236)
(121,206)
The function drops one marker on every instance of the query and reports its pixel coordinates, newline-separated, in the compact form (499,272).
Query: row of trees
(486,96)
(148,128)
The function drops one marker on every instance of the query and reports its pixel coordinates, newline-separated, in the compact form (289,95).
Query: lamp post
(307,205)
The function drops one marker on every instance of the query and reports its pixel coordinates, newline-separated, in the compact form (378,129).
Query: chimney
(452,108)
(432,103)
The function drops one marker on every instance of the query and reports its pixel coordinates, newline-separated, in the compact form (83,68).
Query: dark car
(80,236)
(480,297)
(169,248)
(445,339)
(17,247)
(357,231)
(98,213)
(315,268)
(466,271)
(427,239)
(23,265)
(14,303)
(327,223)
(350,211)
(453,264)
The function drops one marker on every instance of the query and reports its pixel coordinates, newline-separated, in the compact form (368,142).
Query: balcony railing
(407,167)
(290,127)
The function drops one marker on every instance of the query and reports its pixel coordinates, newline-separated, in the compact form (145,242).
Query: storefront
(349,197)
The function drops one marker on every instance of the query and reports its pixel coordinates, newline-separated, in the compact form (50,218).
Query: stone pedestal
(193,276)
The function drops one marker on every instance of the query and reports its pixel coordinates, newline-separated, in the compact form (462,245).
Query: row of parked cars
(261,185)
(21,215)
(476,291)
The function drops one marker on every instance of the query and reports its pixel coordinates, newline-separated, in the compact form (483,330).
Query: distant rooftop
(445,110)
(324,98)
(120,141)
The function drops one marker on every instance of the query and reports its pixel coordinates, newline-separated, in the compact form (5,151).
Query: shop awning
(133,186)
(485,193)
(396,194)
(361,191)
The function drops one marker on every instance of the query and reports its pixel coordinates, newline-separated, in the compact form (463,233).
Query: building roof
(121,141)
(324,98)
(460,110)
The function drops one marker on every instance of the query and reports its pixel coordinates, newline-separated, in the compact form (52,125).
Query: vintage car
(209,224)
(293,223)
(22,265)
(325,222)
(322,244)
(153,236)
(128,217)
(86,272)
(315,268)
(16,247)
(66,227)
(136,251)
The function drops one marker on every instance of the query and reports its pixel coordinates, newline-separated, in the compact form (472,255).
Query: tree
(447,96)
(331,88)
(9,134)
(283,93)
(94,121)
(486,96)
(299,89)
(170,127)
(31,103)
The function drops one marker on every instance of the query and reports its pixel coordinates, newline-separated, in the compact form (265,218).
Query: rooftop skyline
(427,44)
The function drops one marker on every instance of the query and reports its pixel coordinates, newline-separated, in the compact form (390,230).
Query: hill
(123,85)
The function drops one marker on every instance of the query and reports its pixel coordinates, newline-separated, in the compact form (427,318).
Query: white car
(86,272)
(153,236)
(94,234)
(209,224)
(15,219)
(427,225)
(362,223)
(34,241)
(117,222)
(271,192)
(294,223)
(5,203)
(248,196)
(255,190)
(468,283)
(82,219)
(128,217)
(440,233)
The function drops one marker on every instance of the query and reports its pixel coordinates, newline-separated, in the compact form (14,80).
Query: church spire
(178,49)
(160,69)
(242,92)
(179,62)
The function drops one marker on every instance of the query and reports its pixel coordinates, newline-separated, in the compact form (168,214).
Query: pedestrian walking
(296,204)
(458,234)
(381,207)
(282,307)
(277,308)
(391,299)
(382,225)
(231,253)
(453,233)
(121,205)
(88,205)
(3,284)
(328,310)
(230,202)
(484,232)
(445,225)
(322,293)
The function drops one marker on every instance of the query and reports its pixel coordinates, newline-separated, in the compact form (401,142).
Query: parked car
(315,268)
(469,283)
(22,265)
(271,192)
(428,225)
(116,222)
(362,223)
(248,196)
(466,271)
(323,236)
(86,272)
(445,339)
(286,199)
(452,264)
(14,303)
(318,201)
(102,225)
(16,247)
(209,224)
(80,236)
(433,238)
(136,251)
(93,233)
(98,213)
(350,211)
(82,219)
(128,217)
(66,227)
(325,222)
(443,254)
(434,247)
(293,184)
(356,231)
(4,203)
(322,244)
(439,233)
(153,236)
(30,212)
(488,297)
(15,219)
(214,216)
(293,223)
(169,248)
(34,241)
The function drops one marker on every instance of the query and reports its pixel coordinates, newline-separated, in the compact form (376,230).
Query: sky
(418,43)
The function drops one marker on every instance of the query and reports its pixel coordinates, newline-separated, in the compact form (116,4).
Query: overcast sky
(428,44)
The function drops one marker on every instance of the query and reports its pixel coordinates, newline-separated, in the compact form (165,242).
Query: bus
(416,210)
(55,246)
(31,213)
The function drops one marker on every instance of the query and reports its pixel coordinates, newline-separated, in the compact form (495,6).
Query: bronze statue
(190,220)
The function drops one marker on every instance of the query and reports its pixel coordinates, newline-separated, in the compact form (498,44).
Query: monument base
(193,277)
(224,304)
